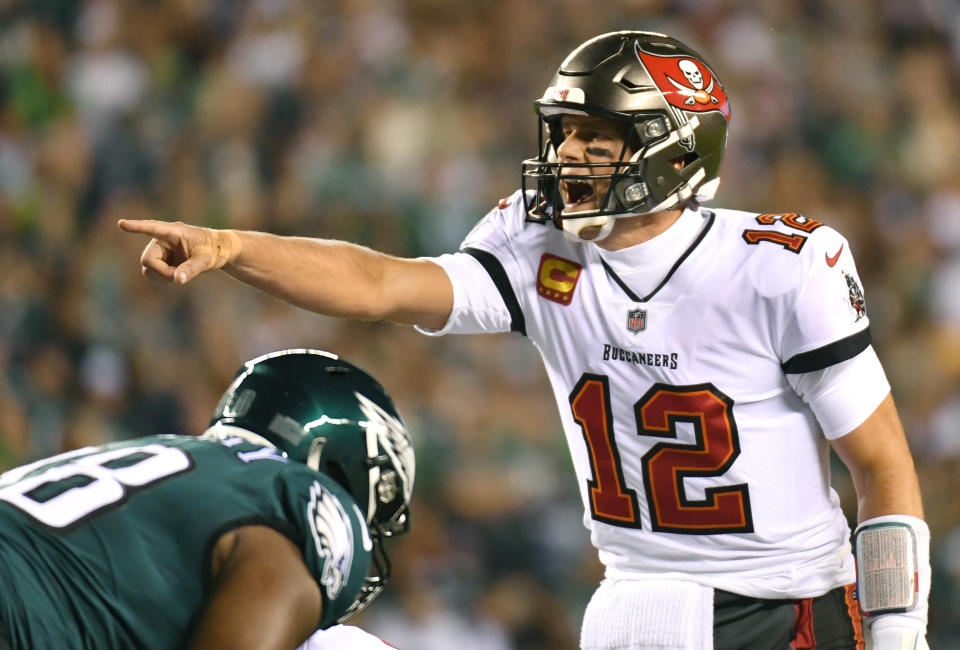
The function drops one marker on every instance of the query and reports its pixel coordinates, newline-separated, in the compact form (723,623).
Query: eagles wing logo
(333,537)
(395,441)
(686,83)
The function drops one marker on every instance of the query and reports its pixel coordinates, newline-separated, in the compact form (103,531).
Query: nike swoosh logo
(832,261)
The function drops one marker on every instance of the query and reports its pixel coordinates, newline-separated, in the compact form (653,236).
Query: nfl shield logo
(637,320)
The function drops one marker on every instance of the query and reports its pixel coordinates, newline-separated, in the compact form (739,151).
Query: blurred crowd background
(398,124)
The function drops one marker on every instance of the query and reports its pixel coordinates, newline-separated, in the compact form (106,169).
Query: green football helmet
(319,410)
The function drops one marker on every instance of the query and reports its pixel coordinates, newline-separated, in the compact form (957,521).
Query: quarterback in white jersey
(677,405)
(704,362)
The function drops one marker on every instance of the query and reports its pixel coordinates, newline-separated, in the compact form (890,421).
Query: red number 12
(724,509)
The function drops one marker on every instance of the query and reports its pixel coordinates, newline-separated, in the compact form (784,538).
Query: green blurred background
(398,124)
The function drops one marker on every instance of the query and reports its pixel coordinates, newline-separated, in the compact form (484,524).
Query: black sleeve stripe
(828,355)
(499,276)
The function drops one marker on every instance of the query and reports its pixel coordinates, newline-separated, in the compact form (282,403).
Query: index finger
(148,227)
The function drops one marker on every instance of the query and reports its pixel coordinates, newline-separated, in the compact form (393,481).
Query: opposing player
(704,361)
(264,529)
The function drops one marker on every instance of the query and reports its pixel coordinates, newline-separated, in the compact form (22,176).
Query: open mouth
(577,193)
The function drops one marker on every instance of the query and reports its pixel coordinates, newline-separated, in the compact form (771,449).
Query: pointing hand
(180,252)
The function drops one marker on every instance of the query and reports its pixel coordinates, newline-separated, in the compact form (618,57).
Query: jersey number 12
(724,509)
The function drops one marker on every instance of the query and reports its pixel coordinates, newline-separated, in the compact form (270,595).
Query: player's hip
(646,614)
(744,564)
(831,620)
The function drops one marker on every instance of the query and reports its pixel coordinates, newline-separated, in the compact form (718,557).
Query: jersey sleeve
(484,274)
(843,395)
(827,322)
(334,539)
(478,306)
(826,350)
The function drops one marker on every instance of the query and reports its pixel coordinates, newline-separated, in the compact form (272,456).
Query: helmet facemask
(373,585)
(384,492)
(618,186)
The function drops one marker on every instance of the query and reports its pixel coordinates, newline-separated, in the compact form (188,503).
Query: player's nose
(571,149)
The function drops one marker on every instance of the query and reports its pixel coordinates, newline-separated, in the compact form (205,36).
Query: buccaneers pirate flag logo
(686,83)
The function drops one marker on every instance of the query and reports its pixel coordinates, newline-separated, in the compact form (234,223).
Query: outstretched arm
(325,276)
(263,596)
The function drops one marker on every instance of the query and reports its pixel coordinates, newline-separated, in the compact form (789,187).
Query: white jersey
(339,637)
(695,456)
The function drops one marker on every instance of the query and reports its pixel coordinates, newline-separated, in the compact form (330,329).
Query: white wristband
(899,629)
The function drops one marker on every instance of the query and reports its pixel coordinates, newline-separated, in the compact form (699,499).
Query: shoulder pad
(332,518)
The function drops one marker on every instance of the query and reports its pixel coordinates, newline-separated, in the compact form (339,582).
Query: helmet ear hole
(685,160)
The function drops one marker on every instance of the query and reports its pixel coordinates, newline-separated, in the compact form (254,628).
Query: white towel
(649,615)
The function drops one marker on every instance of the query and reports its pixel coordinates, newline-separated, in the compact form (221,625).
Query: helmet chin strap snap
(587,229)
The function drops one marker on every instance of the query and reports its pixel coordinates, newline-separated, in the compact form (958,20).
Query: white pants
(649,615)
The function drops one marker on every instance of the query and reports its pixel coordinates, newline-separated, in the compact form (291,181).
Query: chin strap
(893,581)
(587,229)
(707,191)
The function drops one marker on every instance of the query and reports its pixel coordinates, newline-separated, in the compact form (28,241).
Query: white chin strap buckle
(586,229)
(886,568)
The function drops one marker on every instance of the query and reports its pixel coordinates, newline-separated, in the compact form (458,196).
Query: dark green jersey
(110,547)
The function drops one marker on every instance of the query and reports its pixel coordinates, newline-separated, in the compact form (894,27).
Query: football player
(267,527)
(704,362)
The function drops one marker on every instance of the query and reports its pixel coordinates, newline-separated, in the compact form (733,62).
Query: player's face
(588,139)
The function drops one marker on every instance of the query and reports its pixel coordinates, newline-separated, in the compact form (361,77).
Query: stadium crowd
(399,123)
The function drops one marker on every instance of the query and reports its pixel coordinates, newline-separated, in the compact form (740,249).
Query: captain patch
(557,278)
